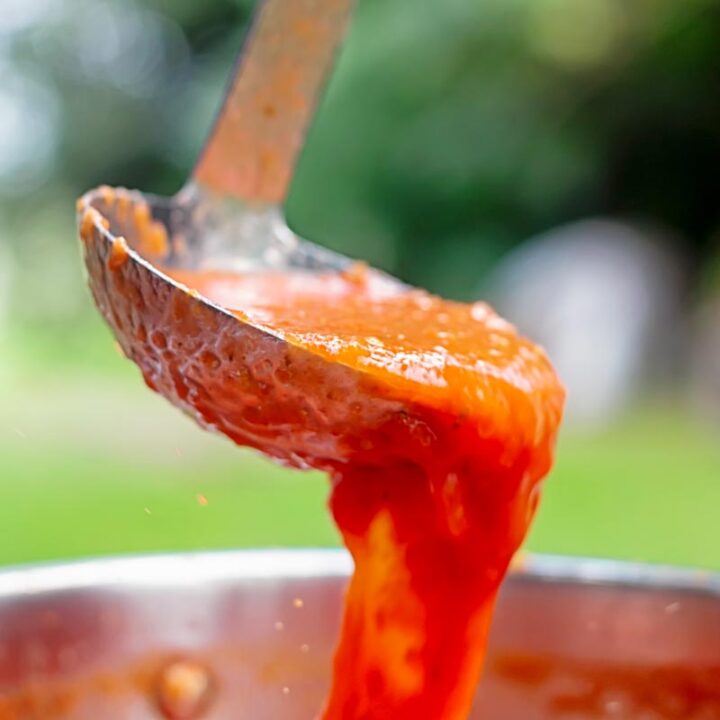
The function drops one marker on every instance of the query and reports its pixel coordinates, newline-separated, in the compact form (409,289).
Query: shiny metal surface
(572,638)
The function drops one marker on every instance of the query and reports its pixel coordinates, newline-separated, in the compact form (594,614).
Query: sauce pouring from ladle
(435,421)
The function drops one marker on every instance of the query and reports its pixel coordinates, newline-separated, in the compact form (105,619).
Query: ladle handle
(277,82)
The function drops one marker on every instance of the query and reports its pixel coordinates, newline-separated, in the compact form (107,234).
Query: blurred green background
(454,134)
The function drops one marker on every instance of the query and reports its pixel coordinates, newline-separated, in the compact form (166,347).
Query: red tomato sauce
(435,470)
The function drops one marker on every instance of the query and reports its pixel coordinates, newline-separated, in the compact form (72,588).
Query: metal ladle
(228,217)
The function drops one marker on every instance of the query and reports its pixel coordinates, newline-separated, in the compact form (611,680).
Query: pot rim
(190,569)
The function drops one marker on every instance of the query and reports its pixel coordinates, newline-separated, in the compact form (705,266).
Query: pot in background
(250,634)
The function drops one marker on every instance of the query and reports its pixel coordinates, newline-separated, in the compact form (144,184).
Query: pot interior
(571,639)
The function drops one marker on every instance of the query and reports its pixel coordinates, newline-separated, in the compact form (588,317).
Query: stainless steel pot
(572,638)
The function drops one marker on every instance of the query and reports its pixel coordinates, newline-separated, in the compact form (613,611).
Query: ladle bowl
(229,217)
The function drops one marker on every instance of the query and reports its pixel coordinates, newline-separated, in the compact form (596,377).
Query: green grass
(68,505)
(649,489)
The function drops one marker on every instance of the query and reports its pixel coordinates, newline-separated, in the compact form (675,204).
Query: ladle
(227,217)
(434,420)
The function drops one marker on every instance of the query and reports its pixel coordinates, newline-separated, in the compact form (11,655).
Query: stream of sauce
(436,423)
(434,483)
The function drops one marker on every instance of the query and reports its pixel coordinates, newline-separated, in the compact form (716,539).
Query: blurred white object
(705,358)
(603,298)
